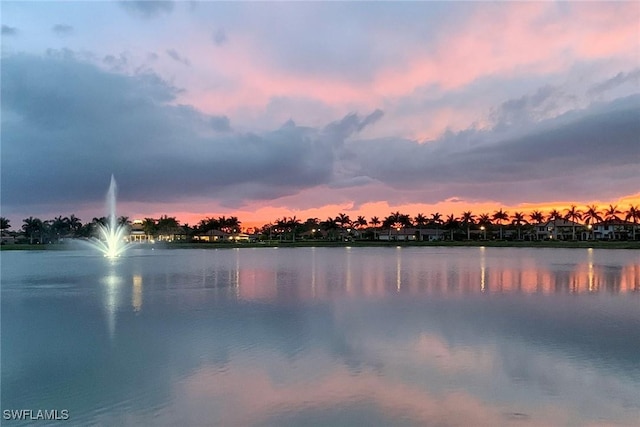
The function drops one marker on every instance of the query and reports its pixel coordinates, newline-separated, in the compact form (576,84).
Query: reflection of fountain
(111,242)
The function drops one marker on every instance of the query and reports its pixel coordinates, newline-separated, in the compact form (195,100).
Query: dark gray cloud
(594,153)
(220,123)
(68,124)
(147,8)
(9,31)
(618,80)
(62,29)
(528,107)
(220,37)
(173,54)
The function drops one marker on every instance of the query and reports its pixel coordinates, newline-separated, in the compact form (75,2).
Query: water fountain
(111,241)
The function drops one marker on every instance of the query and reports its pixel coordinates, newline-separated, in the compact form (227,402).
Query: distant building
(615,229)
(137,233)
(558,229)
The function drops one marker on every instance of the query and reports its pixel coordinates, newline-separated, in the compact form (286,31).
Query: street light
(484,232)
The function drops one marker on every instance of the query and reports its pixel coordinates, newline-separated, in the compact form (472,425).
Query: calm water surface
(324,336)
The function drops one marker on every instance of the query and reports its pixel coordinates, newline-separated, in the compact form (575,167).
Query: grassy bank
(366,243)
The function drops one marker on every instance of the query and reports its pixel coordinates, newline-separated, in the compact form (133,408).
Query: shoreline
(360,243)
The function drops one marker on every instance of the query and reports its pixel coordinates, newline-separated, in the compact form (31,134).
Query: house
(558,229)
(615,229)
(212,236)
(137,233)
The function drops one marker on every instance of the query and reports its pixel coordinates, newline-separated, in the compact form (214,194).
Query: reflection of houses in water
(136,293)
(331,275)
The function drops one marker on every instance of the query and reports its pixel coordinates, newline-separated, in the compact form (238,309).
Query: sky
(269,109)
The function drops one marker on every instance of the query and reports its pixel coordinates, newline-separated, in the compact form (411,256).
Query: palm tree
(375,222)
(573,214)
(591,215)
(451,223)
(75,224)
(538,217)
(468,219)
(32,226)
(611,213)
(633,214)
(554,215)
(292,224)
(484,220)
(436,220)
(518,220)
(343,221)
(500,216)
(420,220)
(330,226)
(4,223)
(360,222)
(149,226)
(59,227)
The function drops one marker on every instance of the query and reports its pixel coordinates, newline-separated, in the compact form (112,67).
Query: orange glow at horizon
(257,216)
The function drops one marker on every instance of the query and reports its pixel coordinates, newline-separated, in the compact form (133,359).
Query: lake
(411,336)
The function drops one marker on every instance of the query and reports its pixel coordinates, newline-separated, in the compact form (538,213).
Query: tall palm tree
(451,223)
(75,224)
(375,222)
(518,220)
(611,213)
(330,226)
(633,214)
(538,217)
(59,227)
(573,214)
(590,216)
(32,226)
(343,221)
(500,216)
(360,223)
(4,223)
(420,220)
(554,215)
(468,219)
(436,220)
(292,225)
(484,220)
(149,226)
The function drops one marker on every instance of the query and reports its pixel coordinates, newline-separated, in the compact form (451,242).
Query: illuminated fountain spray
(111,242)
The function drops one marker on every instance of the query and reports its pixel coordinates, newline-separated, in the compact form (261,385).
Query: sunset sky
(271,109)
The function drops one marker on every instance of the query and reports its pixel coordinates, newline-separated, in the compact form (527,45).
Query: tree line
(58,228)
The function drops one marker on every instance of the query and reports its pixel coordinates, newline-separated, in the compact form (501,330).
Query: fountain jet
(111,242)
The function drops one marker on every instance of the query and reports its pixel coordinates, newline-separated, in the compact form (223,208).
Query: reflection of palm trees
(573,214)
